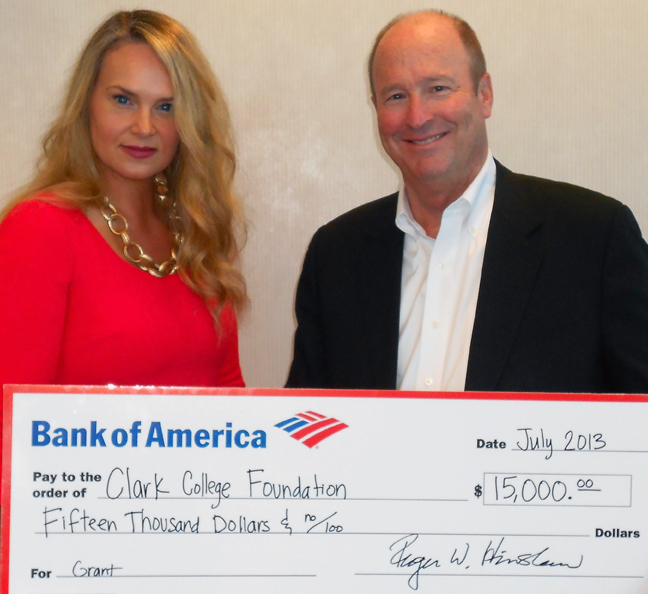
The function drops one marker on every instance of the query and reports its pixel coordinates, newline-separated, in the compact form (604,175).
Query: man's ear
(485,94)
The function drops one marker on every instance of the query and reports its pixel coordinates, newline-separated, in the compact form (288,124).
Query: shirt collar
(474,201)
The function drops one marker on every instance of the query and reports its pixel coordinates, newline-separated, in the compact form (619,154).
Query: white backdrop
(570,104)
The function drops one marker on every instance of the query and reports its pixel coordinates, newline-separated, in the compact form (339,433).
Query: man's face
(431,122)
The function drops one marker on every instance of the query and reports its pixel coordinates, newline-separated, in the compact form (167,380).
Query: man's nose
(418,112)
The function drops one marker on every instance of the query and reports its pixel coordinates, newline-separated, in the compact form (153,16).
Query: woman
(117,263)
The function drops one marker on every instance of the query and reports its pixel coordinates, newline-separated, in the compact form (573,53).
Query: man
(471,277)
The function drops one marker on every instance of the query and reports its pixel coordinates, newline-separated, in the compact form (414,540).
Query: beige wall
(570,102)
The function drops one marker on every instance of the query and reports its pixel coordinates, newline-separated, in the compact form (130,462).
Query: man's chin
(426,173)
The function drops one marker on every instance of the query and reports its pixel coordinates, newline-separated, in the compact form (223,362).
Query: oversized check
(111,491)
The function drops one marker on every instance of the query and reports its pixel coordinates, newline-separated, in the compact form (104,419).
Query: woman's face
(132,125)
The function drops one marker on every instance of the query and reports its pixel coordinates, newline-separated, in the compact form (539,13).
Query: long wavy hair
(200,177)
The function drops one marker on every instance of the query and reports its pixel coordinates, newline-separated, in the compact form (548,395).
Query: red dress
(73,312)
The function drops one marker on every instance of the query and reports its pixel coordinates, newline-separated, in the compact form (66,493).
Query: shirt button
(435,324)
(429,381)
(442,265)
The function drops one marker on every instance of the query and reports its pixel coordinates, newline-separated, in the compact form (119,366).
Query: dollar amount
(555,489)
(508,487)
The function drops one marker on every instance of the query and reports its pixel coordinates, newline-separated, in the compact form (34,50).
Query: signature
(498,556)
(401,558)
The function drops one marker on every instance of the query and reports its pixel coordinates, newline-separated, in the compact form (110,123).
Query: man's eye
(395,97)
(439,88)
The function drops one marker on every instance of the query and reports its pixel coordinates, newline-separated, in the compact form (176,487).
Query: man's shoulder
(373,216)
(358,231)
(552,193)
(529,197)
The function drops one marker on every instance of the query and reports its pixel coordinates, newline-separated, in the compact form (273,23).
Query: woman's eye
(166,107)
(122,99)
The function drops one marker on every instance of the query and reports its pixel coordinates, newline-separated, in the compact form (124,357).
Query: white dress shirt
(439,288)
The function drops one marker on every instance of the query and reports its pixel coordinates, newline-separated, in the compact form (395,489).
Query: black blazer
(562,305)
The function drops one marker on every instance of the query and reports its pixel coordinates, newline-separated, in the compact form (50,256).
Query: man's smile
(427,140)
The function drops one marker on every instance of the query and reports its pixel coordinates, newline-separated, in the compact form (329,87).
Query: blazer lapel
(511,263)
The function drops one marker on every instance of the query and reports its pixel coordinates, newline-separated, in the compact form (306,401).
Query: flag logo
(310,427)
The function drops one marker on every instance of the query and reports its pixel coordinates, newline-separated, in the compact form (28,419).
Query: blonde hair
(200,177)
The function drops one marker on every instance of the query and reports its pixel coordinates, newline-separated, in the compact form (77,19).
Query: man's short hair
(466,34)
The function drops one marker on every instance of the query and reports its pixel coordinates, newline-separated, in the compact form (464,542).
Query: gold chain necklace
(133,252)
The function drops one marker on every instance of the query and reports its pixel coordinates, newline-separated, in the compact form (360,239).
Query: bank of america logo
(310,427)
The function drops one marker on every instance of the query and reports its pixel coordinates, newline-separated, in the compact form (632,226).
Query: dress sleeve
(229,373)
(36,263)
(625,306)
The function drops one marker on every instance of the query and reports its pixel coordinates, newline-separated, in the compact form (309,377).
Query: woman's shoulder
(41,221)
(43,206)
(42,211)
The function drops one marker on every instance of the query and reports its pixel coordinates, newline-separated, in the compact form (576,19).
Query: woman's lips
(139,152)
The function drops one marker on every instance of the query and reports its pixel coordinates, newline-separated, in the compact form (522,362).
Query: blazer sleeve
(308,369)
(348,301)
(624,309)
